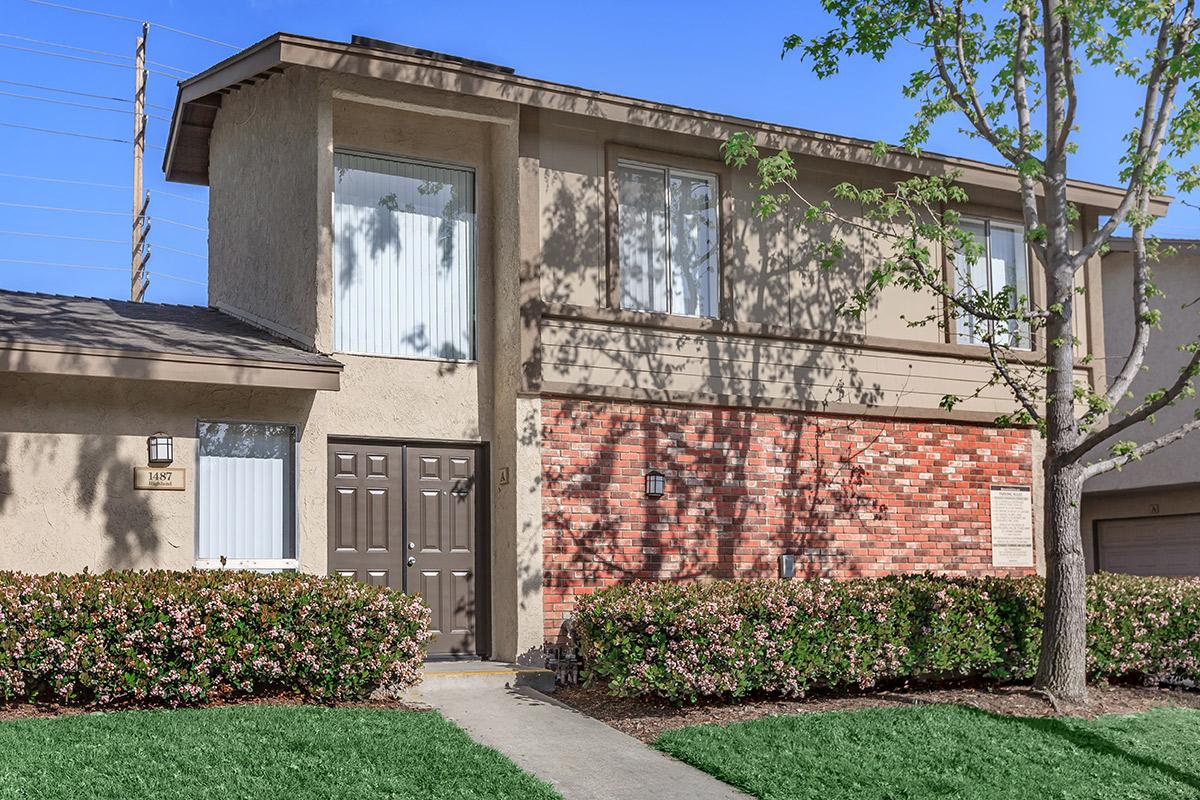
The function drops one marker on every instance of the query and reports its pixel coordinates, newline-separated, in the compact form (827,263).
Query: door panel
(366,509)
(441,519)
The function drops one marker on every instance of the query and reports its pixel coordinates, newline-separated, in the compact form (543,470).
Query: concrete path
(583,758)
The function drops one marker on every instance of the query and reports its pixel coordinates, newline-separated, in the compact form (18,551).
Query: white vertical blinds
(668,240)
(246,492)
(403,258)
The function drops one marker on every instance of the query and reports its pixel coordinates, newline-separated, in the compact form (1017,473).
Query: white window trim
(249,563)
(474,309)
(988,223)
(694,173)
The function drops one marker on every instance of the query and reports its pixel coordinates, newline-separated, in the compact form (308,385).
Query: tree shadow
(1071,731)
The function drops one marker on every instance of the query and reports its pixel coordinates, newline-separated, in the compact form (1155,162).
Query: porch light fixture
(656,483)
(161,449)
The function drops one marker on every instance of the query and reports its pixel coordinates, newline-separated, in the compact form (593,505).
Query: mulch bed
(18,711)
(646,718)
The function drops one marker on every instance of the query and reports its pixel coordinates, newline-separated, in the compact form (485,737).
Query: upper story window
(1003,262)
(403,258)
(668,239)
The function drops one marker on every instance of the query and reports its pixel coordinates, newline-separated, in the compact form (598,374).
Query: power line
(177,196)
(79,105)
(163,192)
(133,19)
(59,265)
(85,58)
(61,180)
(61,236)
(156,246)
(80,94)
(73,133)
(100,241)
(86,50)
(176,222)
(71,210)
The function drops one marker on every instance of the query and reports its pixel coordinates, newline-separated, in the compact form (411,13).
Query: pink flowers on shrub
(179,638)
(727,638)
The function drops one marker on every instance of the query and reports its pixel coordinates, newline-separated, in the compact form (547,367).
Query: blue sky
(700,54)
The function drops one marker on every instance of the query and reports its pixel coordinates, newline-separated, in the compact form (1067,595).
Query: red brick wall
(848,496)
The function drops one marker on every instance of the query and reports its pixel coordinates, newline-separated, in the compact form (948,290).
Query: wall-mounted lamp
(161,449)
(656,483)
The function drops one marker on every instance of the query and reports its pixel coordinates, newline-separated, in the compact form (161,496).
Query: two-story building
(502,341)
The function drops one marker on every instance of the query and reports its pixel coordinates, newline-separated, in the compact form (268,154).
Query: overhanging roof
(199,100)
(59,335)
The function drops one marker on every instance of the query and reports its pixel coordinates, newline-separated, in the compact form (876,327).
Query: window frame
(473,310)
(272,564)
(988,221)
(615,156)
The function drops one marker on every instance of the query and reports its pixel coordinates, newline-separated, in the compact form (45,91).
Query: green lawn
(251,752)
(949,751)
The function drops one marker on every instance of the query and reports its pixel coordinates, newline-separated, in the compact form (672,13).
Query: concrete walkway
(583,758)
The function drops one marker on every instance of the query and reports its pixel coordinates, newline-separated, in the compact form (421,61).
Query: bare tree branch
(966,97)
(1019,390)
(1059,146)
(1140,452)
(1029,208)
(1141,318)
(1157,108)
(1142,413)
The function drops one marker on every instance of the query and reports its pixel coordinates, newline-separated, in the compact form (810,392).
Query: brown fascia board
(1124,244)
(285,49)
(50,359)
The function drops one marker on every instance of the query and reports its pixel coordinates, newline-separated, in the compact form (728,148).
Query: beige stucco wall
(1178,276)
(68,448)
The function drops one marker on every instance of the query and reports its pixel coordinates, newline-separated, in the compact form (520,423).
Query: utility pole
(141,200)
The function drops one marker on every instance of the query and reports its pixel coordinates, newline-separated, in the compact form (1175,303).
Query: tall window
(403,258)
(668,240)
(1002,263)
(246,487)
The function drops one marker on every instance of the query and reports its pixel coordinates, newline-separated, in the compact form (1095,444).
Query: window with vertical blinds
(403,258)
(245,485)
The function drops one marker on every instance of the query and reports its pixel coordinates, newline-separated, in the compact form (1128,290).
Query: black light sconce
(161,449)
(656,483)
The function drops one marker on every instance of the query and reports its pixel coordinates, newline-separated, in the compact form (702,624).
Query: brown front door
(441,523)
(404,516)
(366,513)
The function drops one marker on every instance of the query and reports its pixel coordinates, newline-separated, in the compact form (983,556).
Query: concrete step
(485,674)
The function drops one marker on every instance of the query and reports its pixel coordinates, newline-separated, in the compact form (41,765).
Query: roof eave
(49,359)
(282,49)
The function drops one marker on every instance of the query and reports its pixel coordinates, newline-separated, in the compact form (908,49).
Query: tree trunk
(1062,670)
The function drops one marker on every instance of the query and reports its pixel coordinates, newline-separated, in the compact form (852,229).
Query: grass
(949,751)
(251,752)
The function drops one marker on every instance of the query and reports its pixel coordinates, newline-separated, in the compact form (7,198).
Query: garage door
(1149,545)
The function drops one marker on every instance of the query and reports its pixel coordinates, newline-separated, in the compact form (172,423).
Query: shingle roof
(93,323)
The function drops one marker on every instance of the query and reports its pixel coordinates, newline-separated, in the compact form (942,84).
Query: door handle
(412,561)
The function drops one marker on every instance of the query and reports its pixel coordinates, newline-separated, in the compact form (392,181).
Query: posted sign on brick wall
(1012,526)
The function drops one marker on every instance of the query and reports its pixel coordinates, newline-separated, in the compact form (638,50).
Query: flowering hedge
(179,638)
(733,638)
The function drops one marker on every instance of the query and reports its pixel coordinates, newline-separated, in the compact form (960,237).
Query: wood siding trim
(755,330)
(677,398)
(134,365)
